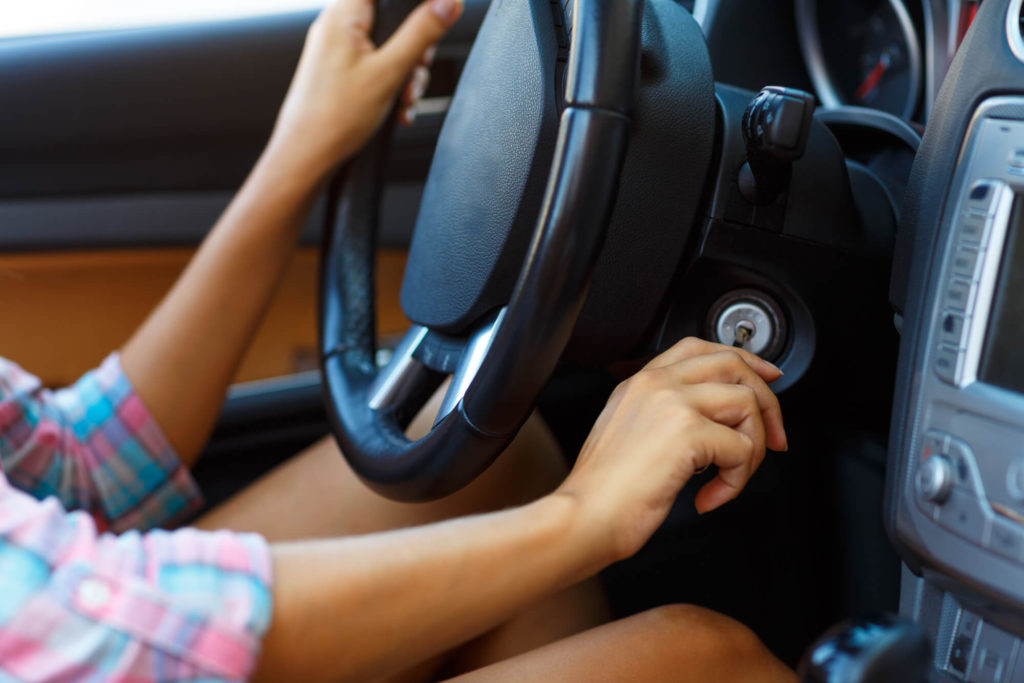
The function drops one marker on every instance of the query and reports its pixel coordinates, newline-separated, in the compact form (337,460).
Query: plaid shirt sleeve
(95,447)
(79,605)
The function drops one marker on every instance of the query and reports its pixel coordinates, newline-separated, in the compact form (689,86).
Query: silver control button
(971,228)
(947,361)
(962,459)
(994,657)
(1016,158)
(965,260)
(958,295)
(935,479)
(1015,480)
(1006,539)
(963,515)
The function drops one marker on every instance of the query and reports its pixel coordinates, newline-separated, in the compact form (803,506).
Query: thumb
(421,29)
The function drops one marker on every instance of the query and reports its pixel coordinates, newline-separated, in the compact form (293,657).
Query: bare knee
(720,643)
(693,621)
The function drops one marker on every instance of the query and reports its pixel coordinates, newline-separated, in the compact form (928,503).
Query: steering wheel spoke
(469,364)
(401,378)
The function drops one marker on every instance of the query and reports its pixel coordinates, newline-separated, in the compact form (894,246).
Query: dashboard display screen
(1002,360)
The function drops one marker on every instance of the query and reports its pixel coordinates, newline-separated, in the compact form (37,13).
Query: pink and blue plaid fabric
(78,603)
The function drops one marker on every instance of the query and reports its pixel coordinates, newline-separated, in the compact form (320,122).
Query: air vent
(1015,28)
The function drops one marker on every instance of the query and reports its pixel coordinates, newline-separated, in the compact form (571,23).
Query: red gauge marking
(968,10)
(874,78)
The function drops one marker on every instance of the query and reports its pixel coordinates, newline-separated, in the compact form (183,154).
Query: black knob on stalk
(776,126)
(885,649)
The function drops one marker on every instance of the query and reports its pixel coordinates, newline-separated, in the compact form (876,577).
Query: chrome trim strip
(297,380)
(472,359)
(999,223)
(402,374)
(1013,29)
(433,105)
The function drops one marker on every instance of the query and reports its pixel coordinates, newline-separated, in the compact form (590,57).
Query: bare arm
(364,607)
(183,357)
(367,606)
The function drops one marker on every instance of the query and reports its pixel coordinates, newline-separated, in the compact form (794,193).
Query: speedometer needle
(871,82)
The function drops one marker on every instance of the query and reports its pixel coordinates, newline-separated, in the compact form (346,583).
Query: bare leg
(676,643)
(316,494)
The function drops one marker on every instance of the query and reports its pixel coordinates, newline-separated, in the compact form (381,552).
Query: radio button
(958,295)
(935,479)
(963,515)
(965,260)
(971,228)
(1016,159)
(962,459)
(963,644)
(951,328)
(981,197)
(947,362)
(1006,539)
(993,658)
(1015,480)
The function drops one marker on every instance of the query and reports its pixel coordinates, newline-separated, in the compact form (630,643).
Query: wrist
(287,160)
(585,537)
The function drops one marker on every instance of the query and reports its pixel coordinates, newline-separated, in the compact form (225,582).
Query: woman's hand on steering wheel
(696,405)
(344,85)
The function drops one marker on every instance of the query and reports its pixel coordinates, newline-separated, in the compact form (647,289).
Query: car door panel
(119,150)
(61,312)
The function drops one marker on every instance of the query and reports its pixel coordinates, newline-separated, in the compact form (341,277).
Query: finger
(734,406)
(416,86)
(692,347)
(354,17)
(428,56)
(407,116)
(728,367)
(734,454)
(422,28)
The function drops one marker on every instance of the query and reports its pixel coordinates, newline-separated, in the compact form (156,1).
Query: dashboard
(888,55)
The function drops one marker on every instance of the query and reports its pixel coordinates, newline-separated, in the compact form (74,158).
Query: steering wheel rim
(367,408)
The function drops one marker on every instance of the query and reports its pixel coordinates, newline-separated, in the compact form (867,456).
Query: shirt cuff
(168,495)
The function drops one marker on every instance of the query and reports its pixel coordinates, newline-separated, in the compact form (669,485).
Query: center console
(958,494)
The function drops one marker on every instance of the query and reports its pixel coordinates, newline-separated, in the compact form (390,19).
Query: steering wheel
(520,91)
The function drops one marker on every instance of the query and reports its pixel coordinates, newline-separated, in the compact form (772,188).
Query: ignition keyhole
(745,331)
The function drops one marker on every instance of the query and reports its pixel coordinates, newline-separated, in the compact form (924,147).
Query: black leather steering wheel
(502,359)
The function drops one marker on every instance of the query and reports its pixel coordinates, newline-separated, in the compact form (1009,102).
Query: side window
(47,17)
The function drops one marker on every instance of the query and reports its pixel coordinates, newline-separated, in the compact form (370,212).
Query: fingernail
(420,81)
(446,10)
(428,56)
(773,366)
(410,115)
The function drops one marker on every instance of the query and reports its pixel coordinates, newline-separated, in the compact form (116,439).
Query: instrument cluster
(888,55)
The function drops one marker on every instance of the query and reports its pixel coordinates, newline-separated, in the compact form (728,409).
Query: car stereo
(960,491)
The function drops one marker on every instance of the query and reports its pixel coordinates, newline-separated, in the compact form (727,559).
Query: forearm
(363,607)
(183,357)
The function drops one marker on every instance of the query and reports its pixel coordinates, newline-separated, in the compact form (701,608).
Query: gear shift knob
(883,649)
